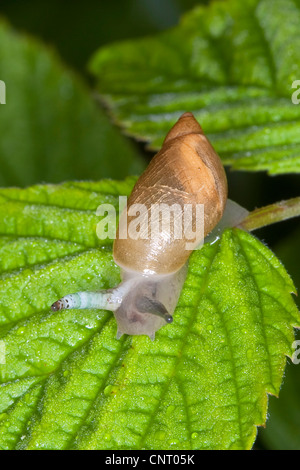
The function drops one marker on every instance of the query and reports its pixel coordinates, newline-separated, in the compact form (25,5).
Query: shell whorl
(186,170)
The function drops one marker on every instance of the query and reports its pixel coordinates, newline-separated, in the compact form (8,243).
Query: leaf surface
(68,383)
(233,64)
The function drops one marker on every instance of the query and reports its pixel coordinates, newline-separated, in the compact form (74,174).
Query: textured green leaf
(283,431)
(68,383)
(283,426)
(232,64)
(51,128)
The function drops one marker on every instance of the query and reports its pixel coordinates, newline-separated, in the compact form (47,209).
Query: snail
(185,174)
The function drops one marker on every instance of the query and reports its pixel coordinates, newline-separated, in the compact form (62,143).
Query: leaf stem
(271,214)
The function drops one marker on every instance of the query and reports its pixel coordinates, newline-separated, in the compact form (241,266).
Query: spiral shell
(186,170)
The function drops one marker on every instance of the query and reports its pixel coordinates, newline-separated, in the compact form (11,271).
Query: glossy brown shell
(186,170)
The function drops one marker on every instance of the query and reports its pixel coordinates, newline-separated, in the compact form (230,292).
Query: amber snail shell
(186,170)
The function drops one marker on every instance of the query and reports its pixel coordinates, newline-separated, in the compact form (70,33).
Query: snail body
(185,173)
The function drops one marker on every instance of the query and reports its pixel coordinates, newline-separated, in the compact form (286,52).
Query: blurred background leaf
(51,127)
(232,64)
(78,29)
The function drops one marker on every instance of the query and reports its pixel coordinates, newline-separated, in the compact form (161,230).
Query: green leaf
(51,128)
(283,426)
(68,383)
(232,64)
(283,431)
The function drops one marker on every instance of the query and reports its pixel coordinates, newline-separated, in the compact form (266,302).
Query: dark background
(76,29)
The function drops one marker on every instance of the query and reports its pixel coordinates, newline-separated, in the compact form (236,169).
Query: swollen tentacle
(109,299)
(106,300)
(146,305)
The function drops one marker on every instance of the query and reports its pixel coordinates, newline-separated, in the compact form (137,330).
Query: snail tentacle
(105,300)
